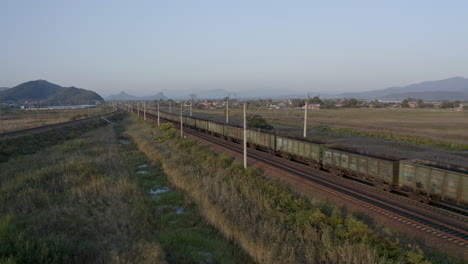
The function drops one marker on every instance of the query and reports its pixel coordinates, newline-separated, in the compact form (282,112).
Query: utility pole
(181,122)
(245,138)
(138,108)
(305,115)
(144,110)
(1,121)
(190,108)
(158,113)
(170,106)
(227,110)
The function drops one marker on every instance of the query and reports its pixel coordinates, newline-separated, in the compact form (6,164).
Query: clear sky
(146,46)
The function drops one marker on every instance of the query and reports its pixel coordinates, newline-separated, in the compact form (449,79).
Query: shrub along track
(442,228)
(48,127)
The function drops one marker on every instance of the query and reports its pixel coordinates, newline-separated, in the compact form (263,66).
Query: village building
(313,106)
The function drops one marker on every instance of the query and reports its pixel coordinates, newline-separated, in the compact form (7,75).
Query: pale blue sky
(147,46)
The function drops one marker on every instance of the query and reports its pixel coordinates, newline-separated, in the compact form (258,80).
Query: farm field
(438,135)
(436,124)
(13,120)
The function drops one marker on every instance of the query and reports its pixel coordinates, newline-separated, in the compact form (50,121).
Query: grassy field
(89,200)
(13,120)
(267,219)
(434,124)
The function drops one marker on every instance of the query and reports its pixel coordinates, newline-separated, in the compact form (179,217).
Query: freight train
(418,179)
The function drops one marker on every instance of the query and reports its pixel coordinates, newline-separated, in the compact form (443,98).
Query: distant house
(207,104)
(460,108)
(413,104)
(313,106)
(339,104)
(278,106)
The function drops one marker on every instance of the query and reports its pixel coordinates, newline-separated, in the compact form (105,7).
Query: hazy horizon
(151,46)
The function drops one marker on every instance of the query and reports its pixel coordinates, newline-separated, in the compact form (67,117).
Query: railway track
(441,224)
(44,128)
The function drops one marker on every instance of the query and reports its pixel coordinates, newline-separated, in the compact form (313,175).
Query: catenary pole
(144,110)
(158,113)
(191,108)
(227,110)
(245,137)
(305,115)
(181,120)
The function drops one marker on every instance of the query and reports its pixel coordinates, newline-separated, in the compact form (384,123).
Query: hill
(125,96)
(445,89)
(3,88)
(48,93)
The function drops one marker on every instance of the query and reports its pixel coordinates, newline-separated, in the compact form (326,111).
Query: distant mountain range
(48,93)
(3,88)
(455,88)
(124,96)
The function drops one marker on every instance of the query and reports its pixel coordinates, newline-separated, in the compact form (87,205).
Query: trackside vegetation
(97,199)
(76,202)
(266,218)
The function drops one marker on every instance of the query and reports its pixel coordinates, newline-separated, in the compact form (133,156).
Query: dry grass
(77,202)
(23,119)
(267,219)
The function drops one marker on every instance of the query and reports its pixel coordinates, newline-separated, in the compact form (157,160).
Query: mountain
(48,93)
(3,88)
(446,89)
(121,96)
(125,96)
(436,95)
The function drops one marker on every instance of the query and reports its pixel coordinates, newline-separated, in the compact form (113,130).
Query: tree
(298,102)
(405,103)
(329,104)
(351,103)
(316,99)
(258,122)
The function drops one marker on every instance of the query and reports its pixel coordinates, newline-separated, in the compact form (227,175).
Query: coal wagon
(301,150)
(380,170)
(233,133)
(261,140)
(216,129)
(425,180)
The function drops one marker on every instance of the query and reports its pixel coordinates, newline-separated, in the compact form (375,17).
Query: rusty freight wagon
(425,180)
(301,150)
(380,170)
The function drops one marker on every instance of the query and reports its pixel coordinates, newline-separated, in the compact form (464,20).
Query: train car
(302,150)
(233,133)
(189,121)
(380,170)
(425,180)
(202,125)
(216,129)
(261,139)
(173,117)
